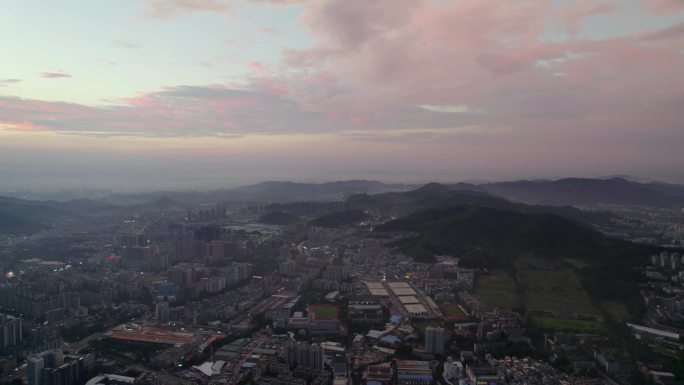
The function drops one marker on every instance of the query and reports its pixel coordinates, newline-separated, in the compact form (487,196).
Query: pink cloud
(469,83)
(662,6)
(448,53)
(255,65)
(475,64)
(670,33)
(281,2)
(54,75)
(176,111)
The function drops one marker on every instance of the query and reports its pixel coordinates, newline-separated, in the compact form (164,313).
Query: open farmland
(497,289)
(546,286)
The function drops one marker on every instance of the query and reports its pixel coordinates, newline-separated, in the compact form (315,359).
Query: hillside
(265,192)
(492,236)
(340,219)
(24,217)
(428,196)
(585,191)
(495,238)
(436,196)
(291,191)
(11,224)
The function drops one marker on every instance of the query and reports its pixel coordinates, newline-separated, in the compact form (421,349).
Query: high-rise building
(181,275)
(54,368)
(158,261)
(434,340)
(284,252)
(244,271)
(53,358)
(215,284)
(10,333)
(301,354)
(237,272)
(136,257)
(288,268)
(161,309)
(35,367)
(68,373)
(336,273)
(664,258)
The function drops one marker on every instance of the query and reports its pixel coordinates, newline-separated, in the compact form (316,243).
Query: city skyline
(152,94)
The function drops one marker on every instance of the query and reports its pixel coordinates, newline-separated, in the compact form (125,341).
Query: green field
(452,310)
(324,312)
(497,289)
(617,311)
(547,286)
(551,323)
(421,325)
(576,263)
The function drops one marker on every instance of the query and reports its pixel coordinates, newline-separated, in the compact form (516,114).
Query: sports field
(453,311)
(324,312)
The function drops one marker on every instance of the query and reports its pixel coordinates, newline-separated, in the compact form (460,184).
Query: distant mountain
(18,216)
(11,224)
(161,203)
(427,196)
(675,190)
(266,192)
(81,205)
(435,195)
(291,191)
(585,191)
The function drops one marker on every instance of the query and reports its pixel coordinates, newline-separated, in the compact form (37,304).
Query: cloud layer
(533,79)
(384,65)
(54,75)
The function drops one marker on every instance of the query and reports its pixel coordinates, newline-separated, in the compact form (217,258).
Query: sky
(136,95)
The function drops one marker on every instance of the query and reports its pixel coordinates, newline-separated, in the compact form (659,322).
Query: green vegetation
(421,325)
(492,237)
(551,323)
(81,331)
(452,310)
(126,351)
(497,289)
(644,353)
(308,296)
(325,311)
(15,381)
(546,286)
(23,217)
(617,311)
(576,263)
